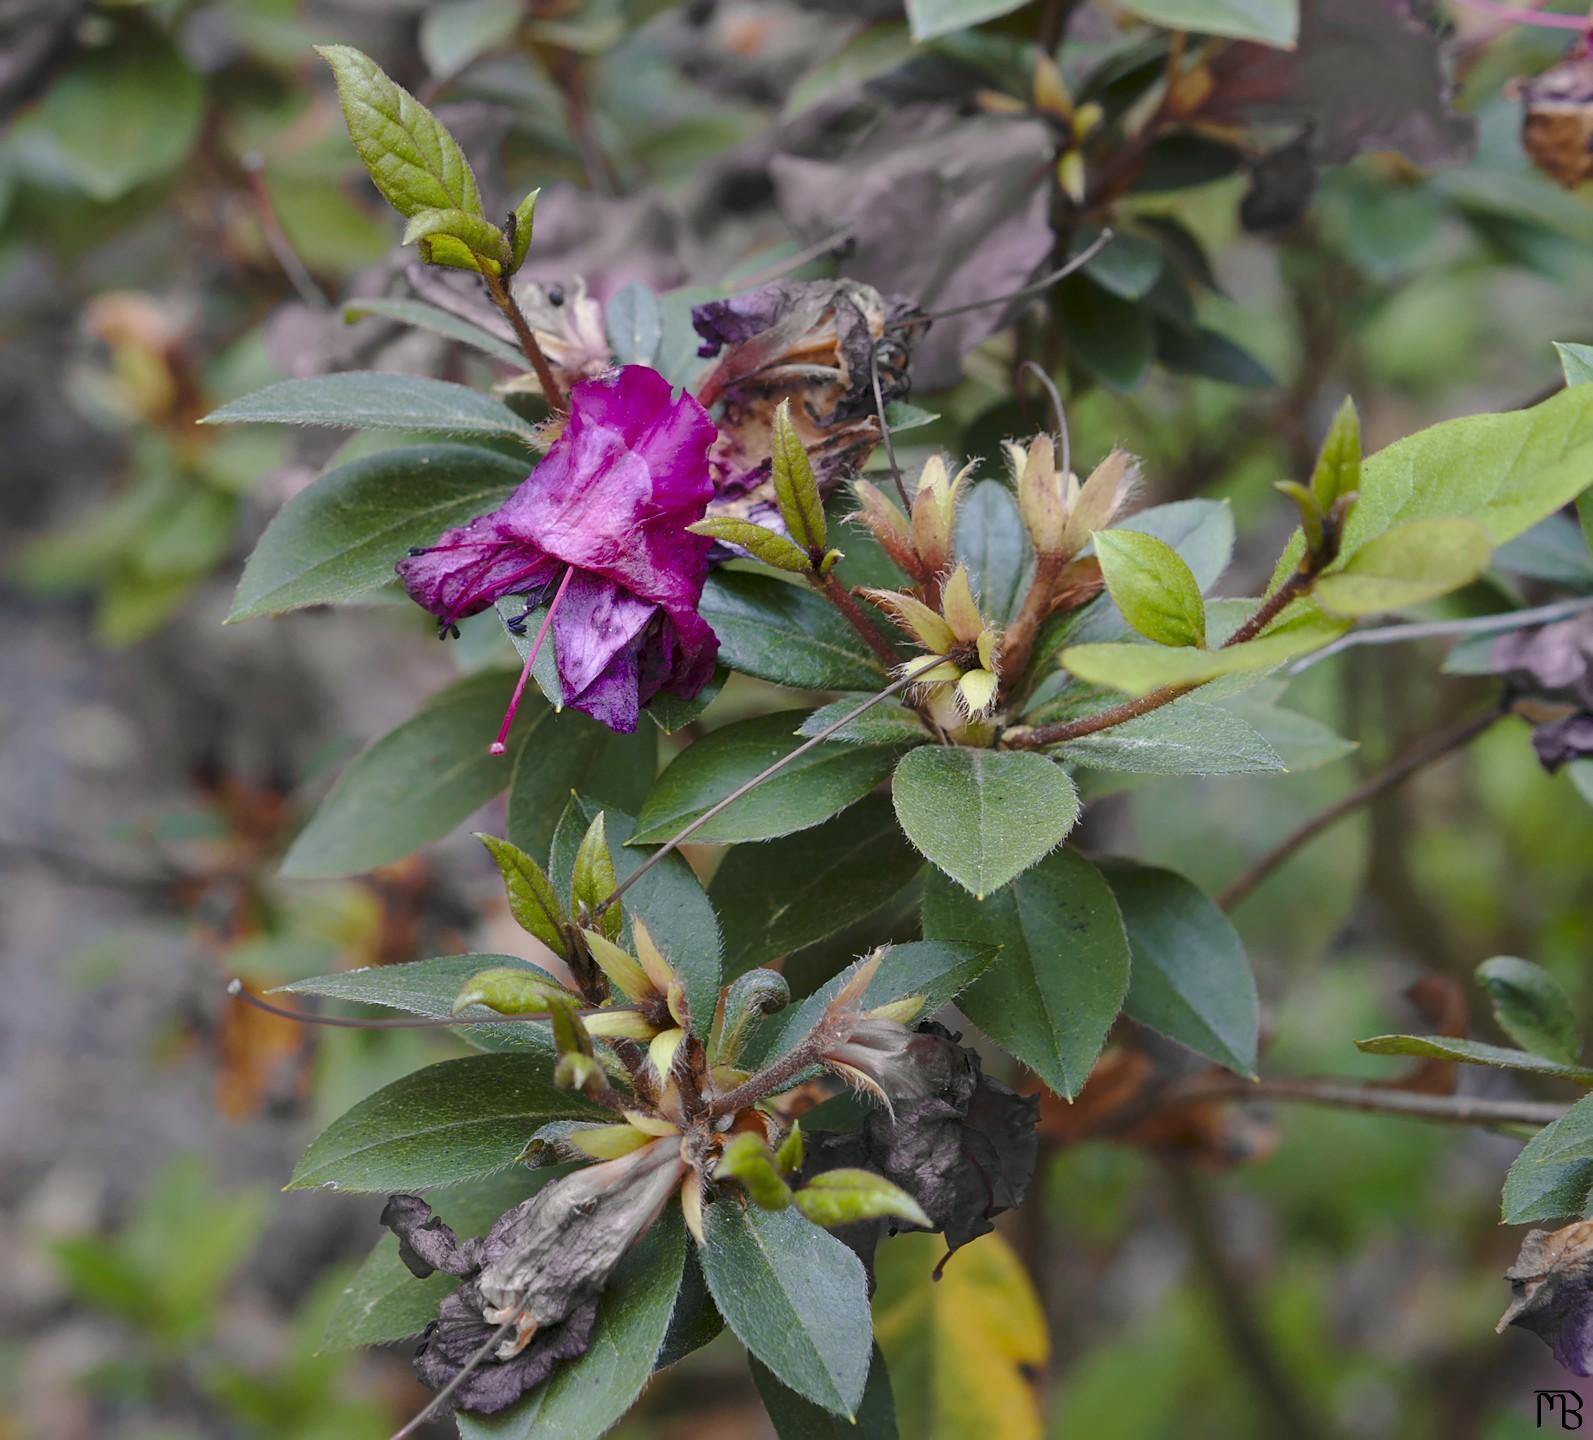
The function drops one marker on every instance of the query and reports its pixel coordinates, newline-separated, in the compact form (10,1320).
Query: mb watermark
(1567,1404)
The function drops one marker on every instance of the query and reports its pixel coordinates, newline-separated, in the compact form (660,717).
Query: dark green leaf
(376,400)
(444,1124)
(1211,355)
(1531,1007)
(1127,266)
(983,816)
(794,1418)
(991,542)
(795,1296)
(428,987)
(576,753)
(439,321)
(338,539)
(585,1397)
(786,634)
(822,782)
(1473,1052)
(1112,338)
(1053,992)
(929,18)
(1191,980)
(888,723)
(776,898)
(1269,22)
(413,160)
(1542,1188)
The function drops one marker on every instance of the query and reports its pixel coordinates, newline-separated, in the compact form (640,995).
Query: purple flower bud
(604,516)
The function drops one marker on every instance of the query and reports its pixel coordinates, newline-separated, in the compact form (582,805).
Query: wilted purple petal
(1562,741)
(1552,1286)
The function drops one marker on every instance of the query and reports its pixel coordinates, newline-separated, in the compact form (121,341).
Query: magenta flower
(599,530)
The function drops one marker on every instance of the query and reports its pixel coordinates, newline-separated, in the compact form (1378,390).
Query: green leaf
(1128,266)
(888,723)
(929,18)
(1506,472)
(427,988)
(1114,339)
(123,113)
(1474,1052)
(786,634)
(413,160)
(593,879)
(472,243)
(873,51)
(338,539)
(795,489)
(586,1396)
(417,782)
(1531,1008)
(845,1196)
(668,899)
(808,791)
(635,325)
(1411,562)
(794,1418)
(1149,582)
(983,816)
(1188,737)
(1300,742)
(1553,1176)
(453,35)
(524,220)
(1191,981)
(580,754)
(446,1123)
(376,400)
(1576,362)
(532,903)
(1338,463)
(937,970)
(437,320)
(1268,22)
(796,1297)
(777,897)
(1052,994)
(993,544)
(1139,669)
(768,546)
(385,1301)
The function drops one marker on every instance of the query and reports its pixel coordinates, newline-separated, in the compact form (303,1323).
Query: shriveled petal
(597,625)
(471,567)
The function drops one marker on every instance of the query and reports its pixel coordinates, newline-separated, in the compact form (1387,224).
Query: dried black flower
(542,1265)
(1553,665)
(1552,1287)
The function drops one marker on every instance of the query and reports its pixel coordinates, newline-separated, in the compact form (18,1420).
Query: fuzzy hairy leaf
(786,634)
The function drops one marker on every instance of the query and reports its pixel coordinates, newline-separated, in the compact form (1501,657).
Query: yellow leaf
(959,1349)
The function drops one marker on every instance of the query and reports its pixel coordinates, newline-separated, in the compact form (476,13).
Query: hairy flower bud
(934,518)
(1041,501)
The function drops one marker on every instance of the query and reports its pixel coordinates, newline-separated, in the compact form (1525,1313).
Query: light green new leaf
(795,489)
(1531,1007)
(1139,669)
(532,903)
(1411,562)
(1152,586)
(1268,22)
(824,781)
(458,239)
(845,1196)
(983,816)
(413,160)
(585,1397)
(1338,463)
(1191,979)
(1576,362)
(768,546)
(1473,1052)
(444,1124)
(375,400)
(795,1296)
(1053,992)
(337,540)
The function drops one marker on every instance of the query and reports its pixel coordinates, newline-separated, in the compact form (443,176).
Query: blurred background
(182,219)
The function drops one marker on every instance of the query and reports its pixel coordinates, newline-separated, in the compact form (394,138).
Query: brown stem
(768,1081)
(840,597)
(1435,747)
(1273,606)
(503,298)
(1373,1099)
(1233,1295)
(1017,643)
